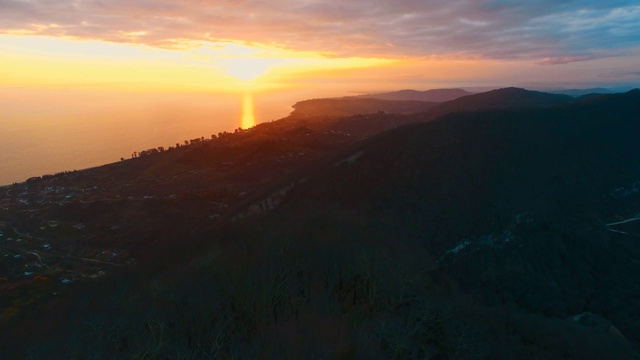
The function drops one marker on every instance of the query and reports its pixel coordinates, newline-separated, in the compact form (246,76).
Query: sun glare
(225,67)
(247,69)
(248,114)
(256,66)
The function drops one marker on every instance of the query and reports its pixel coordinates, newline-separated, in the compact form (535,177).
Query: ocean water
(46,131)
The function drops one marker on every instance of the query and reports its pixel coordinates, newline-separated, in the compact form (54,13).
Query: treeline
(224,135)
(49,176)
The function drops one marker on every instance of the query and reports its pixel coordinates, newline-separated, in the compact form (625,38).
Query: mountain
(513,159)
(364,117)
(504,228)
(528,209)
(581,92)
(499,99)
(339,107)
(433,95)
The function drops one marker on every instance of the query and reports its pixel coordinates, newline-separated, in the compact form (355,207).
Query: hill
(347,106)
(581,92)
(503,229)
(363,118)
(513,203)
(499,99)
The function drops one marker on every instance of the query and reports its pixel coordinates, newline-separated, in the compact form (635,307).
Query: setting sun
(247,69)
(195,66)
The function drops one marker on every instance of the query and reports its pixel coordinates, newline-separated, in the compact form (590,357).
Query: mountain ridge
(501,229)
(431,95)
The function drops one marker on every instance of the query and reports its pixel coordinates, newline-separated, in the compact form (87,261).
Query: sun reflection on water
(248,114)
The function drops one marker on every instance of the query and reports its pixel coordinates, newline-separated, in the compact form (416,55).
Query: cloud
(562,60)
(549,31)
(621,75)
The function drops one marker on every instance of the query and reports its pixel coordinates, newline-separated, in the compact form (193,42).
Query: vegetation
(497,234)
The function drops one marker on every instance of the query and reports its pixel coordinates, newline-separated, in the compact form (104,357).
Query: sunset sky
(85,82)
(235,45)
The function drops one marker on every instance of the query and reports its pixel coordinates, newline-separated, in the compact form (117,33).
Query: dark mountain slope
(479,235)
(597,136)
(581,92)
(498,99)
(550,160)
(513,203)
(352,106)
(363,118)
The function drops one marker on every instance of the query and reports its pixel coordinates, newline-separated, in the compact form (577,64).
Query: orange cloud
(562,60)
(505,29)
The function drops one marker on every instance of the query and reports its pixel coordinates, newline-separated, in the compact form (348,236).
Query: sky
(262,45)
(85,82)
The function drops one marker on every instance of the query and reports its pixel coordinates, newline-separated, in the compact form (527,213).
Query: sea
(46,131)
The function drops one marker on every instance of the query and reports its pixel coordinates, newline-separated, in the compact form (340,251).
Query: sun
(192,66)
(244,62)
(254,63)
(247,69)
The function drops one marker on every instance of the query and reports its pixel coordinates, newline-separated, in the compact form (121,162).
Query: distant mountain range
(498,225)
(340,107)
(498,99)
(443,95)
(581,92)
(364,117)
(401,104)
(434,95)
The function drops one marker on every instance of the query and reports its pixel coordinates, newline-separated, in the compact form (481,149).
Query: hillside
(499,99)
(504,228)
(513,204)
(581,92)
(363,118)
(347,106)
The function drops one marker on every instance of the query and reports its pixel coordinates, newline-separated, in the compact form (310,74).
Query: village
(37,260)
(73,227)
